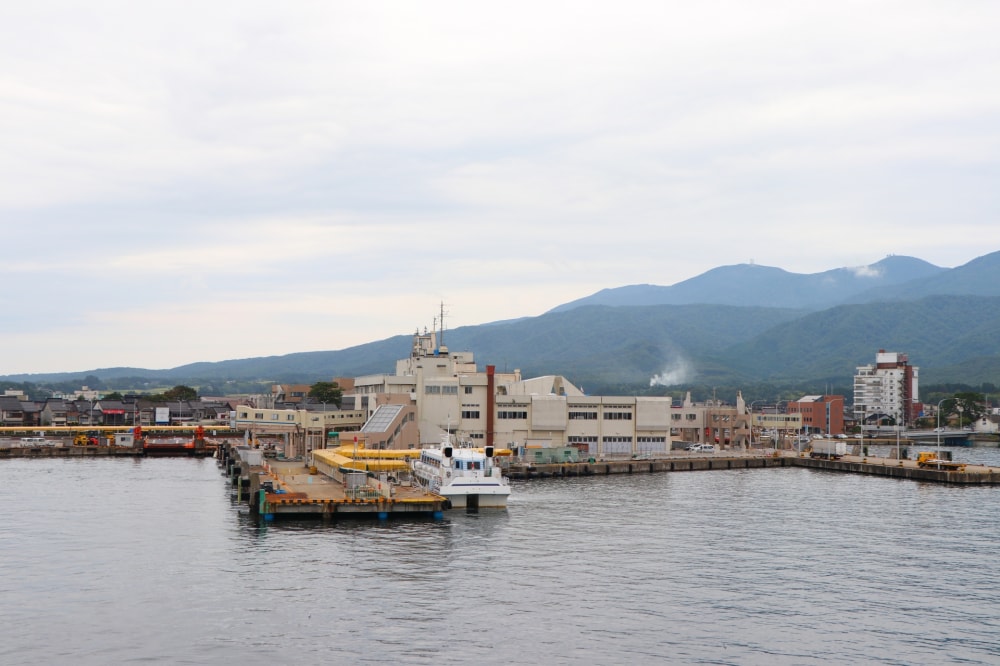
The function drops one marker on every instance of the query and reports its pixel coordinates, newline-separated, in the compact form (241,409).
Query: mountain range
(731,325)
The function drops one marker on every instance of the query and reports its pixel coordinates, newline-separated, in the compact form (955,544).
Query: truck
(831,449)
(930,460)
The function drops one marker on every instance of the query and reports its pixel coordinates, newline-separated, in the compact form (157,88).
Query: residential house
(55,412)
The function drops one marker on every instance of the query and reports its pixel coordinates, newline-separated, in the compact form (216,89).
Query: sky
(202,181)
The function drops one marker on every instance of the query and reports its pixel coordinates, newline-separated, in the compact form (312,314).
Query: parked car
(702,448)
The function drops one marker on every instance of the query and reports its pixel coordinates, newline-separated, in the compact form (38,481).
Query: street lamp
(899,453)
(752,403)
(777,431)
(939,427)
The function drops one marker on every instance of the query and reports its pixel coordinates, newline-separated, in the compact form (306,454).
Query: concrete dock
(69,451)
(890,467)
(278,488)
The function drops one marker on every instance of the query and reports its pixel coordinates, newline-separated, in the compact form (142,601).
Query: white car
(702,448)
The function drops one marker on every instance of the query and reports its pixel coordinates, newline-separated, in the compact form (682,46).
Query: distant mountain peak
(752,284)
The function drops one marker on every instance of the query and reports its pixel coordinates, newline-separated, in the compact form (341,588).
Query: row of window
(275,416)
(433,389)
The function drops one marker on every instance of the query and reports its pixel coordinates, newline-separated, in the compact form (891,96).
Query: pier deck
(287,488)
(891,467)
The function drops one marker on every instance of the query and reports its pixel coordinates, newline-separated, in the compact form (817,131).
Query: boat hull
(476,500)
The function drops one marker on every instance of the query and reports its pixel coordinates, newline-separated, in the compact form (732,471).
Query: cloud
(866,271)
(275,161)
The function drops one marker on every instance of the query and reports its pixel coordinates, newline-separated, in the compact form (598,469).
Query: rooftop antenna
(441,341)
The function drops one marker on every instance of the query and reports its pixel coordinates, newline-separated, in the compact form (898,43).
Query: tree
(93,382)
(326,392)
(181,392)
(971,406)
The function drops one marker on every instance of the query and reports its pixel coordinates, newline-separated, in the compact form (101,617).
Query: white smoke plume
(678,371)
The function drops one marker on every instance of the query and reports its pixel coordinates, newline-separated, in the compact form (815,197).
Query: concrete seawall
(69,451)
(906,469)
(532,471)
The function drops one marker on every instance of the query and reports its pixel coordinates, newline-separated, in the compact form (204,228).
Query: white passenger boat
(468,477)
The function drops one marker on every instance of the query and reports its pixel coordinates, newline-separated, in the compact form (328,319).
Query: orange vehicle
(929,460)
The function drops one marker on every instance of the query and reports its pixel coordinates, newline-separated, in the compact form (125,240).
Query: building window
(449,390)
(506,414)
(470,414)
(617,416)
(468,390)
(583,416)
(432,390)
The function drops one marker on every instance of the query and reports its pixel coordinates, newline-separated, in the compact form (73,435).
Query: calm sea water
(122,561)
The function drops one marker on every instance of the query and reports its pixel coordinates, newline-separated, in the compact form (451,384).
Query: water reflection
(153,561)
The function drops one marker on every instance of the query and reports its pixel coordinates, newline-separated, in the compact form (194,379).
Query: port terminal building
(449,394)
(435,391)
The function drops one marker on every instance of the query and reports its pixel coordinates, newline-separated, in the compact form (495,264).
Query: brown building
(820,413)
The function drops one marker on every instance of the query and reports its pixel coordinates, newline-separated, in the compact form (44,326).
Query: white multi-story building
(888,389)
(501,409)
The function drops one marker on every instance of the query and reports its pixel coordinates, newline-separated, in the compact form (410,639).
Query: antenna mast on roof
(441,341)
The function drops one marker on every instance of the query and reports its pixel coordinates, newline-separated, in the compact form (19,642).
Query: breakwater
(888,467)
(71,452)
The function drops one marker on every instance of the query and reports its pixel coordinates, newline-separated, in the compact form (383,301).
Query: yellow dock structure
(329,484)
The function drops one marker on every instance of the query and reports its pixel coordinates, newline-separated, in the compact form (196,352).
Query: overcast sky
(201,181)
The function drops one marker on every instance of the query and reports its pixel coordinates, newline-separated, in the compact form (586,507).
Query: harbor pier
(278,488)
(853,464)
(519,470)
(69,451)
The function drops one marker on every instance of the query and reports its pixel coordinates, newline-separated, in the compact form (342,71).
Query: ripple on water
(150,560)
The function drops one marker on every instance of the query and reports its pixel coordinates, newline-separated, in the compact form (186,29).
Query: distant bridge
(952,437)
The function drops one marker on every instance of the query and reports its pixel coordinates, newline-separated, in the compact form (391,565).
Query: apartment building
(886,392)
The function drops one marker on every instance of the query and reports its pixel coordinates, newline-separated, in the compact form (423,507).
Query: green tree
(328,392)
(181,392)
(114,395)
(971,404)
